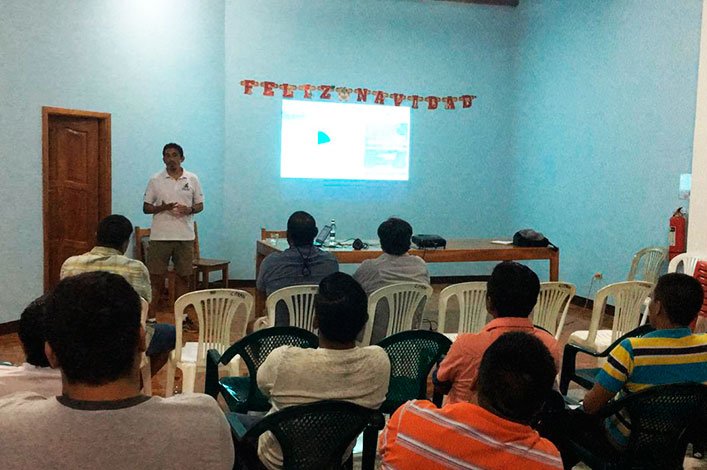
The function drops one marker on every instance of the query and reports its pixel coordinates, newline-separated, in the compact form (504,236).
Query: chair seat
(210,263)
(602,341)
(235,391)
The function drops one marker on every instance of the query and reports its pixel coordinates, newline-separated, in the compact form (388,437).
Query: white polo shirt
(168,225)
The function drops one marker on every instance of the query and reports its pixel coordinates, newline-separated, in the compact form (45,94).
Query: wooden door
(76,173)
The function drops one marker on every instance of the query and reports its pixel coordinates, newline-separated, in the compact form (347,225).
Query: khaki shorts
(180,252)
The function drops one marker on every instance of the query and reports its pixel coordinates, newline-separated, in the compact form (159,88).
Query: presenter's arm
(196,208)
(148,208)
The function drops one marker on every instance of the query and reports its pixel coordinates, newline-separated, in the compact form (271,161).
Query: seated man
(395,264)
(338,370)
(94,336)
(511,295)
(671,354)
(515,376)
(112,240)
(34,375)
(302,263)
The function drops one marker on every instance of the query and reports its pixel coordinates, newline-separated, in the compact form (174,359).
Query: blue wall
(157,70)
(583,123)
(603,126)
(458,158)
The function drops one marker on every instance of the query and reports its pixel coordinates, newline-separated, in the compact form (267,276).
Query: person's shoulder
(21,400)
(376,355)
(190,175)
(160,174)
(187,403)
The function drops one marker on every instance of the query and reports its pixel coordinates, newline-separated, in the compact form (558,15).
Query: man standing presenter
(172,196)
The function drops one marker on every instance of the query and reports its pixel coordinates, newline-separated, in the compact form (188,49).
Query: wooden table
(460,250)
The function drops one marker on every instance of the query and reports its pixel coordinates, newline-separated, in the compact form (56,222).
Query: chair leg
(171,369)
(188,377)
(146,377)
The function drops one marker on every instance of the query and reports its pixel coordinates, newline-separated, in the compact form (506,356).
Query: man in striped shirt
(671,354)
(515,376)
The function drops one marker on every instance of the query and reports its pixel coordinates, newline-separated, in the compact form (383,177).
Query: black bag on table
(530,238)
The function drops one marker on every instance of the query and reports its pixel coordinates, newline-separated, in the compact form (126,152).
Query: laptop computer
(323,235)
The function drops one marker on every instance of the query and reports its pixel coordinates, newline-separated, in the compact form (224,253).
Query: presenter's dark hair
(114,231)
(31,332)
(93,327)
(513,289)
(394,235)
(172,145)
(301,229)
(341,306)
(681,297)
(516,376)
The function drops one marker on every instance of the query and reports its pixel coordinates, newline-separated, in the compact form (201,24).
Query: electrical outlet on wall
(598,276)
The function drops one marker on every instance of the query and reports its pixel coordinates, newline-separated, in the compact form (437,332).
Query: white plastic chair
(647,263)
(145,370)
(553,301)
(471,297)
(404,299)
(628,298)
(683,263)
(299,301)
(215,310)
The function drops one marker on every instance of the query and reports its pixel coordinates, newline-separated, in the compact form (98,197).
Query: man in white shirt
(35,374)
(102,420)
(395,264)
(172,197)
(337,370)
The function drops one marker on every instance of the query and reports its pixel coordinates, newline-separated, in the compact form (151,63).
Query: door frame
(104,167)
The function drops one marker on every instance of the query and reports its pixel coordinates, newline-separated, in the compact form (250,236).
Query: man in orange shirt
(511,295)
(515,376)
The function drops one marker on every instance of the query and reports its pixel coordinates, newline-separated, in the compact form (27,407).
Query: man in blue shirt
(302,263)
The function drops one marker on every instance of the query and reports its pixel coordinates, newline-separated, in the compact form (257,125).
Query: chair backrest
(256,347)
(660,418)
(685,263)
(299,301)
(265,233)
(317,435)
(404,299)
(647,263)
(553,302)
(215,310)
(412,355)
(142,235)
(628,300)
(471,298)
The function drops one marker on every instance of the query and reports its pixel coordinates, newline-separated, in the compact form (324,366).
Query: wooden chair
(204,266)
(265,233)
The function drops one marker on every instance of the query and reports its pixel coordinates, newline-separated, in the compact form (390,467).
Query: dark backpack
(530,238)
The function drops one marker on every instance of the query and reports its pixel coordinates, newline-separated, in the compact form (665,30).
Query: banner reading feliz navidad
(324,92)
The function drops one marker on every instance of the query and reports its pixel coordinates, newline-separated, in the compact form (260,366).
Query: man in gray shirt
(95,337)
(302,263)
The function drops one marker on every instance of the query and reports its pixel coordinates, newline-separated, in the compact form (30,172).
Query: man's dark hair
(513,289)
(394,235)
(341,307)
(681,297)
(114,231)
(32,332)
(172,145)
(301,229)
(93,325)
(516,376)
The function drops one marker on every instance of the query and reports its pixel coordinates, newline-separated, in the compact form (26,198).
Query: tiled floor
(577,319)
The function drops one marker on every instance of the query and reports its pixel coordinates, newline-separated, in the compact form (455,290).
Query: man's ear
(51,357)
(142,344)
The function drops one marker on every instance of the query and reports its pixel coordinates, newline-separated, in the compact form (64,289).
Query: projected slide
(344,141)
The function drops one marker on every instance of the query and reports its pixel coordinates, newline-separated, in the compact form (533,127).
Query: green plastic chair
(241,393)
(313,436)
(412,355)
(662,418)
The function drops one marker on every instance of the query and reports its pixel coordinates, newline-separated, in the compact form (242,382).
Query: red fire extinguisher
(677,237)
